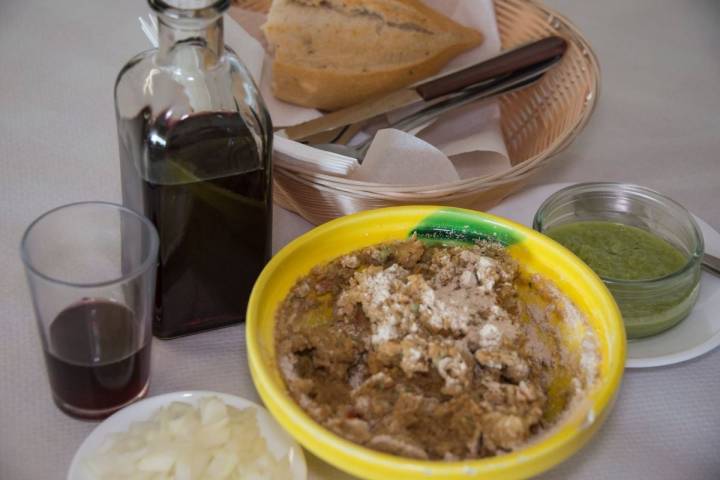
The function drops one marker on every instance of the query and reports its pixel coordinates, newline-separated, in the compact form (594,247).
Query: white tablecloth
(656,124)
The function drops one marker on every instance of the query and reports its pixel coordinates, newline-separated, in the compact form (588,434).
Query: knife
(503,64)
(481,91)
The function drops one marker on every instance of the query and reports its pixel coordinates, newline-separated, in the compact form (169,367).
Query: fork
(512,82)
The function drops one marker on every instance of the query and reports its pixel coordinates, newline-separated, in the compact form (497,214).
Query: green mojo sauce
(619,252)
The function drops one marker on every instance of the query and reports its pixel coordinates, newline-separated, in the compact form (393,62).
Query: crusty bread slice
(329,54)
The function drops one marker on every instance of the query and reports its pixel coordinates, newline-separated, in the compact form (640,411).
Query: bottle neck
(205,35)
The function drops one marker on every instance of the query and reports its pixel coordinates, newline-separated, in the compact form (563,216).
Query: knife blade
(488,70)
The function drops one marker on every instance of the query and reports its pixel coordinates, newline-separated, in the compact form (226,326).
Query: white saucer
(697,334)
(278,441)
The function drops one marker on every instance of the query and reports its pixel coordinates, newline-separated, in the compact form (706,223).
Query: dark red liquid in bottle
(211,204)
(96,363)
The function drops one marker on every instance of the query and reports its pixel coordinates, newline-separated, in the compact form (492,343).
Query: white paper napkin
(414,161)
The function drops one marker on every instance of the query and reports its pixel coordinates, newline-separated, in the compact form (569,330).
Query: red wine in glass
(94,359)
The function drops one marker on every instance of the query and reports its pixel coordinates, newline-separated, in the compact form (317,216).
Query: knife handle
(518,58)
(711,263)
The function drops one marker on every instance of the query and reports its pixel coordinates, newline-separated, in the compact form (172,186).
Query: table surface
(656,124)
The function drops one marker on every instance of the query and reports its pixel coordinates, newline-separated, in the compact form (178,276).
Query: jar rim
(695,256)
(208,10)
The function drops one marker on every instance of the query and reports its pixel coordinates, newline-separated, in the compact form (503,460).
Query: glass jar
(648,306)
(195,147)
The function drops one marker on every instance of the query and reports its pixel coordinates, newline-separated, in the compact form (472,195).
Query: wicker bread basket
(537,123)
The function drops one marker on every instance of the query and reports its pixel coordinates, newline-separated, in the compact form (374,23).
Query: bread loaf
(330,54)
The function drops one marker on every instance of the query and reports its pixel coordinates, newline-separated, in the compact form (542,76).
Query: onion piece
(212,441)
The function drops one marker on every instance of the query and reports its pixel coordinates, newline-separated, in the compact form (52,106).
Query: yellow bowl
(535,254)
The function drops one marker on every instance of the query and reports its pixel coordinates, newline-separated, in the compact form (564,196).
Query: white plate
(697,334)
(278,441)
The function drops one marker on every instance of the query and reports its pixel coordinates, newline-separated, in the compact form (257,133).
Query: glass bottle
(195,151)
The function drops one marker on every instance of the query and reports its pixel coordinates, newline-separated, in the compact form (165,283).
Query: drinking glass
(91,272)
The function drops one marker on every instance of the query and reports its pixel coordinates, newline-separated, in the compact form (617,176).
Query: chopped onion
(181,442)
